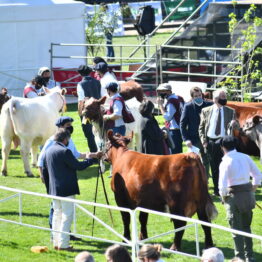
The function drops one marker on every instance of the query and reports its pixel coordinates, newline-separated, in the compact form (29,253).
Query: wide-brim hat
(101,67)
(43,69)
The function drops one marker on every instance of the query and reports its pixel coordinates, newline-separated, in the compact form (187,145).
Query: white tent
(28,27)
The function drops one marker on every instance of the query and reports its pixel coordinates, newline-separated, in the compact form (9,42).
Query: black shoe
(216,193)
(74,238)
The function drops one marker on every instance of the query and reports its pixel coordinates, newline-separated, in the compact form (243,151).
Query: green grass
(16,241)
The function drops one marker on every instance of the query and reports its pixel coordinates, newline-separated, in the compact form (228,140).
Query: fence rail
(134,243)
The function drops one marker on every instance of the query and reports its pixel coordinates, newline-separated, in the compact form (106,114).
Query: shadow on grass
(88,173)
(24,214)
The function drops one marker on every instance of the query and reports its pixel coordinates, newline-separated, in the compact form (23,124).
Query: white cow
(32,121)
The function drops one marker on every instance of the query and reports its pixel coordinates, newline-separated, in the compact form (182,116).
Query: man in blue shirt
(171,111)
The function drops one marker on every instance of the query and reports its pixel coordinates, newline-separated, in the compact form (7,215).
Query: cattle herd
(148,181)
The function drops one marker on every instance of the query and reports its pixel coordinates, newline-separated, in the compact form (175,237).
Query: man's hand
(255,188)
(98,155)
(106,117)
(188,143)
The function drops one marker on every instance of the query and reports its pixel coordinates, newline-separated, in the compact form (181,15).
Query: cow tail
(12,112)
(205,198)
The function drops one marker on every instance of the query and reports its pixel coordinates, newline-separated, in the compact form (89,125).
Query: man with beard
(214,121)
(190,120)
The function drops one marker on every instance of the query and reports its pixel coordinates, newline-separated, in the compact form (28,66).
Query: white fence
(134,243)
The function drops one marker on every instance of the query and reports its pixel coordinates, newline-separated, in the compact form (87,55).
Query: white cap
(42,70)
(164,87)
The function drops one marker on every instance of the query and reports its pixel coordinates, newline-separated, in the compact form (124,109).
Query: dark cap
(63,120)
(84,70)
(39,80)
(101,67)
(112,86)
(228,142)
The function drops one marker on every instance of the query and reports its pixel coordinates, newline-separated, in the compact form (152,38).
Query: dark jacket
(152,137)
(59,170)
(91,87)
(190,120)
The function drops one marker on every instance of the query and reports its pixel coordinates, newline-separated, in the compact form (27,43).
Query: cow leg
(6,147)
(25,153)
(178,235)
(207,230)
(126,222)
(34,150)
(143,217)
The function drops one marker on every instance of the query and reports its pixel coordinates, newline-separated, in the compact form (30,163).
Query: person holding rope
(237,193)
(59,173)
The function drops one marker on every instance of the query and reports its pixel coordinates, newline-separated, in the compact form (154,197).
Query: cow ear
(63,91)
(110,134)
(102,100)
(256,119)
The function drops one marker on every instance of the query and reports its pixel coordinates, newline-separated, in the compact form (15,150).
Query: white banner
(134,7)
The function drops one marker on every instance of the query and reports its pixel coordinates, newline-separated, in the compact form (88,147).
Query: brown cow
(154,182)
(131,89)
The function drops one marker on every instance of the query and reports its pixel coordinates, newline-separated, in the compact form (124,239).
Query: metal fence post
(197,240)
(20,207)
(134,235)
(160,64)
(121,62)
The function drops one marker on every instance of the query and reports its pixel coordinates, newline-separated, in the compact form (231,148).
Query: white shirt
(107,78)
(49,142)
(236,169)
(80,92)
(213,122)
(118,107)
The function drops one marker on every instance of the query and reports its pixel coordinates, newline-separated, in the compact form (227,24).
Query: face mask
(198,101)
(70,129)
(163,96)
(46,79)
(222,102)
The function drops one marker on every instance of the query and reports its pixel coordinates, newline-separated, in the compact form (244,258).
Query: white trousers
(62,220)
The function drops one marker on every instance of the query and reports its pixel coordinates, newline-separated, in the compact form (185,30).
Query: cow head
(4,97)
(253,129)
(92,108)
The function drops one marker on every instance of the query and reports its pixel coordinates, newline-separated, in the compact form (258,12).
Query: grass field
(16,241)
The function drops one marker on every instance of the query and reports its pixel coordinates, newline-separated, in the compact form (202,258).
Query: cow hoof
(29,174)
(4,173)
(174,248)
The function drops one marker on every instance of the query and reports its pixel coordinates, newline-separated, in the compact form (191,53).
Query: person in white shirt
(114,115)
(237,193)
(45,72)
(105,77)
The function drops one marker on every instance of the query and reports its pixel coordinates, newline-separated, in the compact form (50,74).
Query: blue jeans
(120,130)
(110,50)
(177,139)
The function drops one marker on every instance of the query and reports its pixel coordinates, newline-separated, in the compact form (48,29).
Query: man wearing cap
(105,77)
(66,123)
(45,72)
(88,87)
(237,193)
(59,172)
(115,113)
(171,112)
(214,121)
(32,89)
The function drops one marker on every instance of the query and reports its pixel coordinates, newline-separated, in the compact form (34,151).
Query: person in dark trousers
(88,87)
(152,135)
(59,173)
(237,193)
(190,120)
(214,121)
(171,111)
